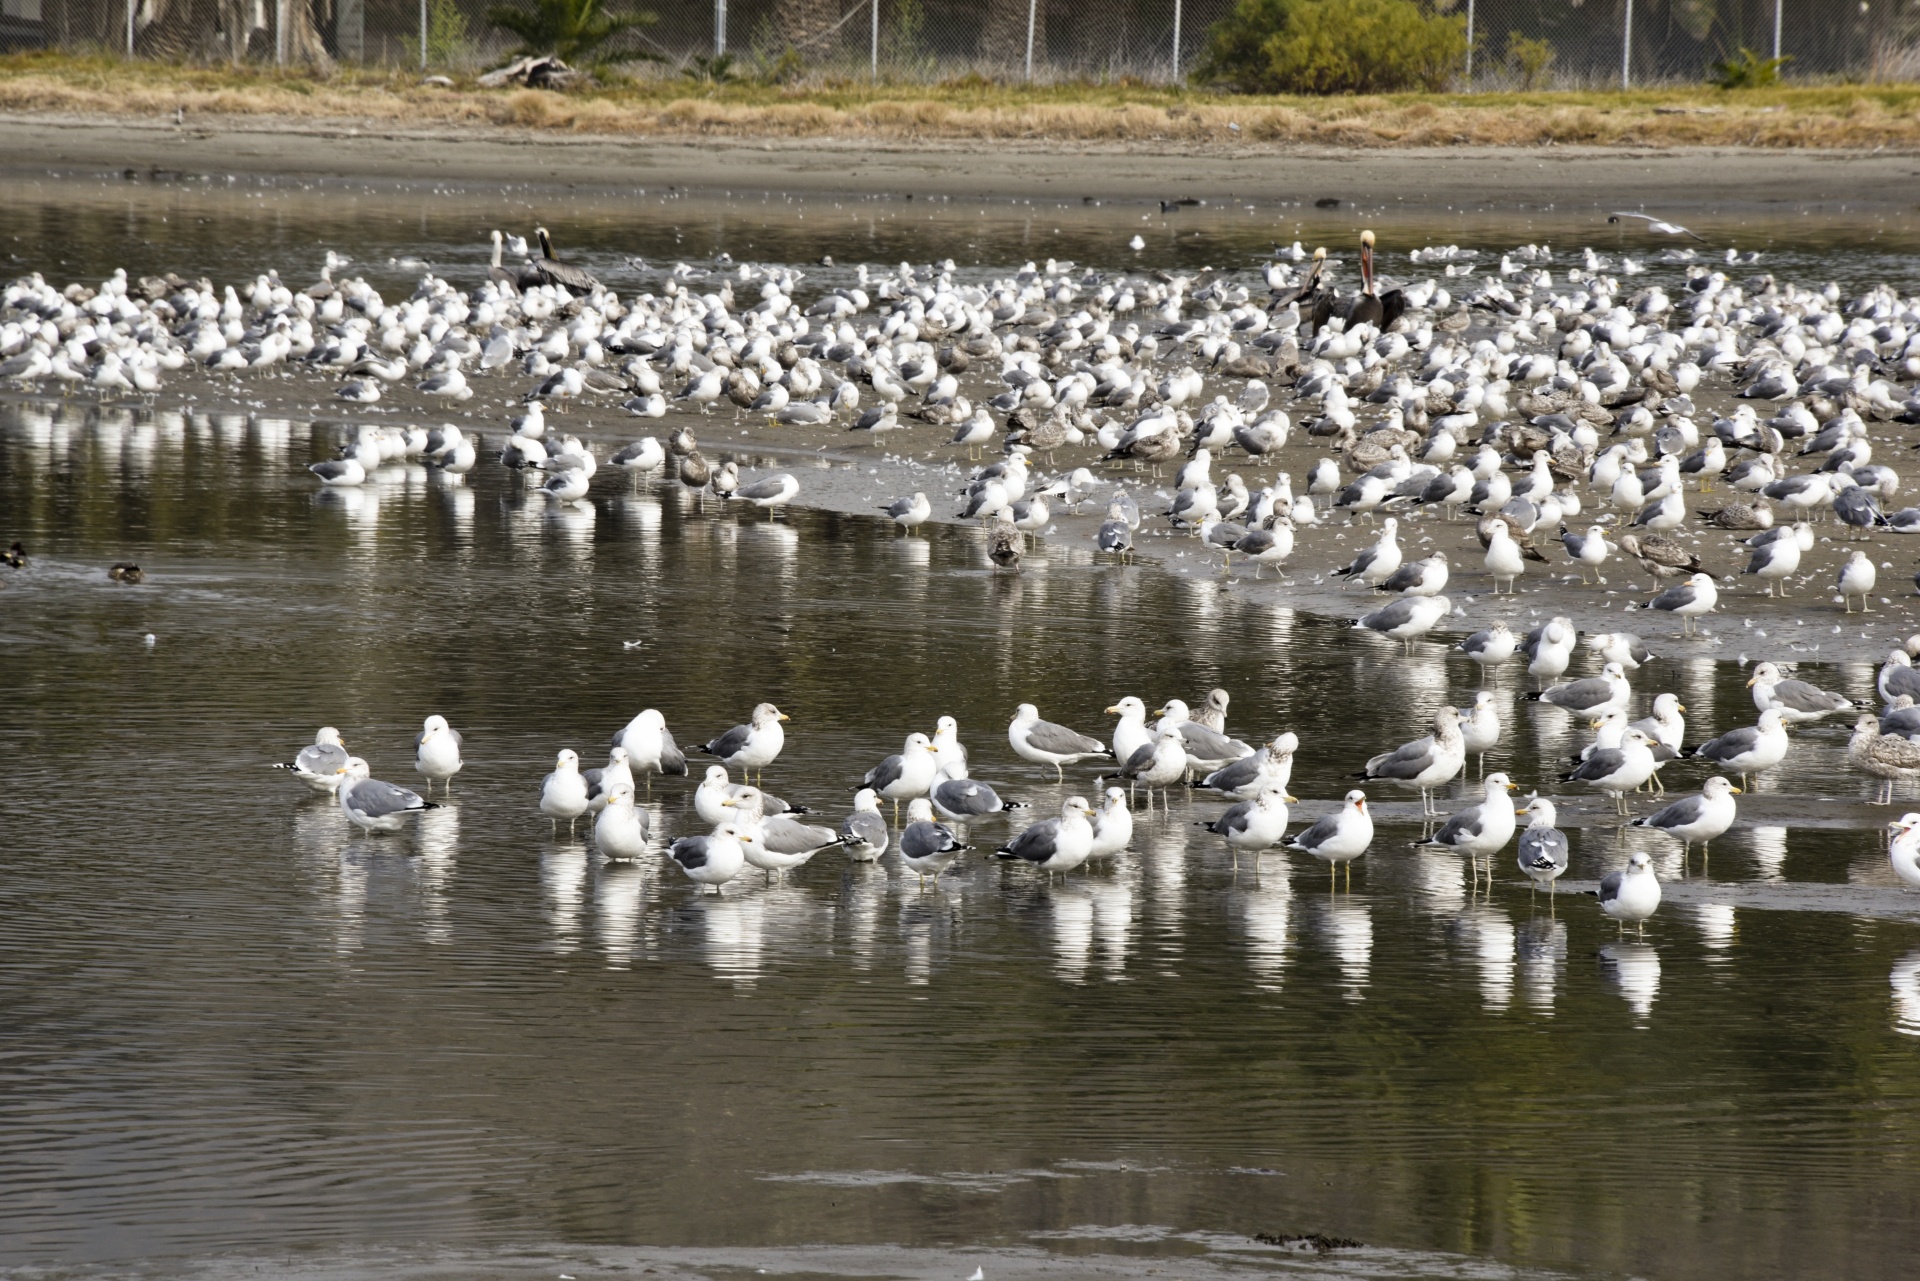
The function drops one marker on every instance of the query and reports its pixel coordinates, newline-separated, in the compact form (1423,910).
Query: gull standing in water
(770,492)
(710,799)
(1690,600)
(1480,728)
(962,800)
(710,861)
(602,781)
(436,752)
(1340,837)
(1159,762)
(1751,749)
(1885,756)
(1491,647)
(1256,825)
(563,793)
(1594,697)
(752,747)
(1797,700)
(863,833)
(1112,825)
(1246,778)
(1904,850)
(1407,618)
(1055,844)
(1480,831)
(1616,770)
(1543,846)
(1045,743)
(909,513)
(1427,762)
(906,775)
(927,846)
(1696,818)
(650,746)
(1631,894)
(1377,563)
(319,764)
(374,806)
(621,830)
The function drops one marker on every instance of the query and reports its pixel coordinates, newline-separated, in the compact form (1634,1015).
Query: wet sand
(1566,179)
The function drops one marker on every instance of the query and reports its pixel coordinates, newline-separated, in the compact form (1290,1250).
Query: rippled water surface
(234,1029)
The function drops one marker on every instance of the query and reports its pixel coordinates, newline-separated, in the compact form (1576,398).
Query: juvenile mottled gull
(1885,756)
(374,806)
(1045,743)
(318,764)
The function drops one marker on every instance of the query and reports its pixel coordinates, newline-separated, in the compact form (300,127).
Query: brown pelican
(1378,310)
(549,270)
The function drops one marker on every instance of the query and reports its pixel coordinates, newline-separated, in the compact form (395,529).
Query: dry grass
(973,110)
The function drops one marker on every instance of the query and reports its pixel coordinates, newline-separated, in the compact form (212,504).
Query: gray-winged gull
(436,752)
(650,746)
(563,793)
(927,847)
(374,806)
(1427,762)
(709,799)
(1797,700)
(1593,696)
(621,830)
(1631,894)
(1480,728)
(1159,762)
(1699,818)
(318,764)
(964,799)
(1246,778)
(1690,600)
(1616,770)
(863,833)
(905,775)
(1885,756)
(1055,844)
(1046,743)
(1750,749)
(602,781)
(1254,825)
(1407,618)
(1340,837)
(712,860)
(752,747)
(1112,825)
(1480,831)
(1543,853)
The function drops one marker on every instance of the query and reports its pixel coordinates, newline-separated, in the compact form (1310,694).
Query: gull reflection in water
(619,902)
(735,936)
(1716,924)
(350,899)
(1348,927)
(437,838)
(919,916)
(863,892)
(1113,918)
(1442,878)
(1906,994)
(1769,846)
(640,514)
(1543,954)
(1265,908)
(1494,951)
(1635,970)
(1072,913)
(563,879)
(1166,868)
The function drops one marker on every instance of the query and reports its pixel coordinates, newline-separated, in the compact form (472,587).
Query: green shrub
(447,41)
(1530,59)
(567,29)
(1748,71)
(1333,46)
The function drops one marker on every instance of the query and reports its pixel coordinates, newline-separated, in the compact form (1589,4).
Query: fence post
(719,27)
(130,4)
(280,33)
(1776,27)
(1626,50)
(876,41)
(1469,46)
(1033,7)
(1176,41)
(423,33)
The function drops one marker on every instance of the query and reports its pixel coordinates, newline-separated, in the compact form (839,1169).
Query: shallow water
(238,1032)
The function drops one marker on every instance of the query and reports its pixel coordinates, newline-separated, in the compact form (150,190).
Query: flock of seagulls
(1527,403)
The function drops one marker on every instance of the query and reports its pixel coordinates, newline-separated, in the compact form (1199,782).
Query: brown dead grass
(1836,117)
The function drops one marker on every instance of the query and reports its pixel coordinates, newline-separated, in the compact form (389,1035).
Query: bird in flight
(1660,225)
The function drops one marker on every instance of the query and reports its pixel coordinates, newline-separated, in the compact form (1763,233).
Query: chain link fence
(1539,44)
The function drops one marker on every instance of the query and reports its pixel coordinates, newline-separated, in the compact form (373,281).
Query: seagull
(1750,749)
(1055,844)
(1377,563)
(1407,618)
(1480,727)
(563,793)
(927,846)
(1797,700)
(774,843)
(621,830)
(750,748)
(711,861)
(1593,697)
(1617,770)
(1690,600)
(1904,850)
(374,806)
(1339,837)
(908,513)
(715,790)
(1885,756)
(1246,778)
(1112,825)
(1658,225)
(650,746)
(318,765)
(1631,894)
(436,752)
(963,799)
(1157,763)
(1491,647)
(1255,825)
(1045,743)
(602,781)
(1697,818)
(863,833)
(1543,847)
(1479,831)
(1426,762)
(907,774)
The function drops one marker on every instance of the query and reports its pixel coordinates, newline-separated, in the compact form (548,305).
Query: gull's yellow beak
(1681,706)
(1750,683)
(785,717)
(1736,791)
(1291,800)
(1513,787)
(1113,711)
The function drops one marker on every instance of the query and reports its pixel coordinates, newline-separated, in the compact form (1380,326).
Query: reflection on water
(377,1021)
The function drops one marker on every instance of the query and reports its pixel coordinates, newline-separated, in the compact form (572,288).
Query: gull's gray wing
(1036,844)
(321,759)
(964,796)
(376,799)
(1407,761)
(672,759)
(729,743)
(1579,695)
(1802,697)
(923,838)
(791,836)
(1733,743)
(885,774)
(1317,835)
(1682,812)
(1602,764)
(1237,775)
(1610,886)
(1045,736)
(1542,848)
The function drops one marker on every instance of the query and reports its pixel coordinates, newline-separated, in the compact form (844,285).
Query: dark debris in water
(1318,1242)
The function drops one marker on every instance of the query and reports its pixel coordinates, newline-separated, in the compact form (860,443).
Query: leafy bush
(1530,59)
(1748,71)
(447,41)
(705,70)
(568,29)
(1333,46)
